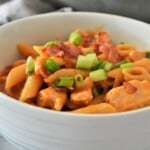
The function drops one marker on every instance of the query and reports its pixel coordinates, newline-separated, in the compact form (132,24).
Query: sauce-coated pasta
(85,74)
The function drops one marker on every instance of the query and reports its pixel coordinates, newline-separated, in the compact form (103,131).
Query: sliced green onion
(75,38)
(51,65)
(64,82)
(108,66)
(98,75)
(52,43)
(30,65)
(103,65)
(97,66)
(78,78)
(147,54)
(126,65)
(117,65)
(95,92)
(86,62)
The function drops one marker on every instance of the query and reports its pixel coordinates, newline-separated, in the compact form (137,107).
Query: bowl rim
(63,14)
(68,114)
(41,110)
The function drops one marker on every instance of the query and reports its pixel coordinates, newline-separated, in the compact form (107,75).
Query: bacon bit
(53,50)
(102,48)
(103,37)
(113,55)
(87,36)
(87,40)
(130,89)
(68,62)
(105,48)
(103,45)
(70,50)
(95,47)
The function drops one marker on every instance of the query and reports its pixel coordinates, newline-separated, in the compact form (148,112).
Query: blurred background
(14,9)
(138,9)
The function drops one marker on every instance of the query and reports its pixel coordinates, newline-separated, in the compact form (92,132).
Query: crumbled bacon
(129,87)
(105,48)
(102,45)
(113,55)
(68,62)
(87,40)
(87,37)
(70,50)
(103,37)
(52,50)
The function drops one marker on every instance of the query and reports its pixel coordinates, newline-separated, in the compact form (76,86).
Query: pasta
(31,87)
(125,49)
(85,74)
(16,76)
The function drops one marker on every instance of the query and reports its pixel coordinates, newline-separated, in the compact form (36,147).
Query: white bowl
(33,128)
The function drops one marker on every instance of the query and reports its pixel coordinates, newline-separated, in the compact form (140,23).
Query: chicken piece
(52,98)
(126,97)
(82,95)
(82,98)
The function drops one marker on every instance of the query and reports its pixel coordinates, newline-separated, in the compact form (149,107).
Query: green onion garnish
(30,65)
(86,62)
(103,65)
(95,92)
(75,38)
(117,65)
(64,82)
(51,65)
(52,43)
(108,66)
(98,75)
(78,78)
(126,65)
(147,54)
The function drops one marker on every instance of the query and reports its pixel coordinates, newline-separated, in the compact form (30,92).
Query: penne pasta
(144,63)
(26,50)
(31,87)
(96,109)
(136,73)
(16,76)
(65,72)
(125,49)
(39,50)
